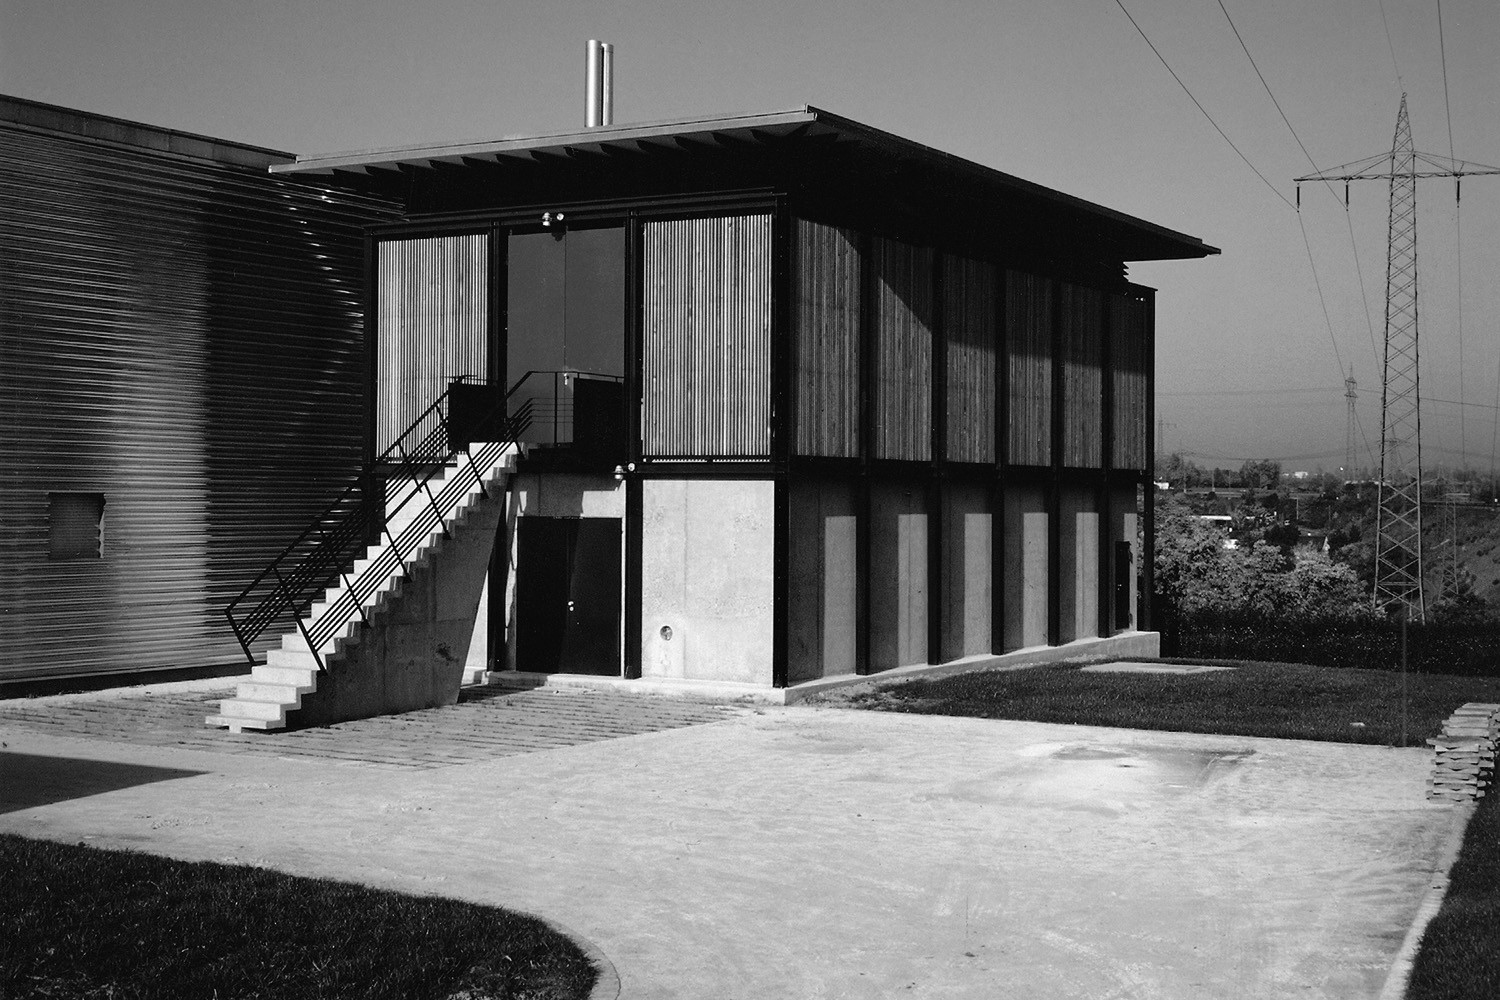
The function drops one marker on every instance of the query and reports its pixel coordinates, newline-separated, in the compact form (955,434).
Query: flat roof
(119,131)
(785,128)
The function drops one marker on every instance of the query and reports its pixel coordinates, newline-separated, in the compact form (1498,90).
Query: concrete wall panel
(967,530)
(707,574)
(822,613)
(898,576)
(1025,572)
(1079,567)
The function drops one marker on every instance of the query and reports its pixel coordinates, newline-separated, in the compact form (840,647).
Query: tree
(1264,474)
(1319,588)
(1190,559)
(1196,574)
(1179,471)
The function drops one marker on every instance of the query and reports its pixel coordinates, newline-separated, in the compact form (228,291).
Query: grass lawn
(77,922)
(1254,699)
(1460,954)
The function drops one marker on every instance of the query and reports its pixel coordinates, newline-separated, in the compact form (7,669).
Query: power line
(1459,402)
(1185,90)
(1253,392)
(1443,52)
(1359,271)
(1321,301)
(1458,231)
(1399,82)
(1239,38)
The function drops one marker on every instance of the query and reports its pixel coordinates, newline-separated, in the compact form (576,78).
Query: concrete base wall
(1024,577)
(707,579)
(551,495)
(823,606)
(1123,646)
(1078,524)
(413,655)
(967,547)
(898,576)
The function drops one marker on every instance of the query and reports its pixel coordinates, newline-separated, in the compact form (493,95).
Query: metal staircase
(350,563)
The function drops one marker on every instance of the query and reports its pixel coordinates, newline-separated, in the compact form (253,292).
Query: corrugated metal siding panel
(706,338)
(1083,382)
(1127,328)
(1028,341)
(185,339)
(826,266)
(969,316)
(903,351)
(432,325)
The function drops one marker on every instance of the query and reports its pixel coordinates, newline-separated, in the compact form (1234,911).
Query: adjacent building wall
(707,579)
(182,340)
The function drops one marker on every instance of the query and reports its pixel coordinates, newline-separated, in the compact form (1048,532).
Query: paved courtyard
(713,851)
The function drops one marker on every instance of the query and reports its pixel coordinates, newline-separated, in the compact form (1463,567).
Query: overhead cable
(1201,108)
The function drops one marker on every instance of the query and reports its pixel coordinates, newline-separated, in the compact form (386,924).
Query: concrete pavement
(824,852)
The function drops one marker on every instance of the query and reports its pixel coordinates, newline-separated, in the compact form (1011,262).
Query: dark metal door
(1124,573)
(568,595)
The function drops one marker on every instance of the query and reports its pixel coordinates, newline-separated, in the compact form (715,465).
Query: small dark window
(76,525)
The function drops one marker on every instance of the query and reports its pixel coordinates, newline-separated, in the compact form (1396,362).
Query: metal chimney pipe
(607,84)
(593,86)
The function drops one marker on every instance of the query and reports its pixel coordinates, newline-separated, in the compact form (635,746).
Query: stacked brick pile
(1464,764)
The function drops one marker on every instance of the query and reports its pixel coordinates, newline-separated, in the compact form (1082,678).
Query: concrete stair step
(258,691)
(304,679)
(239,708)
(237,724)
(293,654)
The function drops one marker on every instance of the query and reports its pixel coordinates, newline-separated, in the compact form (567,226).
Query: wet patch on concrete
(1111,778)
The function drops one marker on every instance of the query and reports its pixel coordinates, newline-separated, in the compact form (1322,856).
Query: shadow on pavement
(28,780)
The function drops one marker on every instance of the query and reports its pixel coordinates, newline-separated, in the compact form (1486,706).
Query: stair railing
(363,514)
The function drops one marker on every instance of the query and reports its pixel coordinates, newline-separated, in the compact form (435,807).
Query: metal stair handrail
(322,552)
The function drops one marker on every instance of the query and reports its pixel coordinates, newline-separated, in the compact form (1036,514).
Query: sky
(1250,357)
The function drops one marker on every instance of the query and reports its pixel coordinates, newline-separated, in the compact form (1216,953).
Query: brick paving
(485,724)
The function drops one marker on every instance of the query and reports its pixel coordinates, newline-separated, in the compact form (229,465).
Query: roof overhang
(1136,238)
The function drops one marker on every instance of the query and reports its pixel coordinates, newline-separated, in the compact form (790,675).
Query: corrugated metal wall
(826,315)
(432,325)
(706,337)
(1082,377)
(1127,330)
(969,317)
(1028,338)
(184,338)
(903,350)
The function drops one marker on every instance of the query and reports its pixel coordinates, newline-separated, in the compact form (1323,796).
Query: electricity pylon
(1398,542)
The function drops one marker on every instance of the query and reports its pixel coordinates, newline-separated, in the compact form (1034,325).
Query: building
(805,399)
(181,386)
